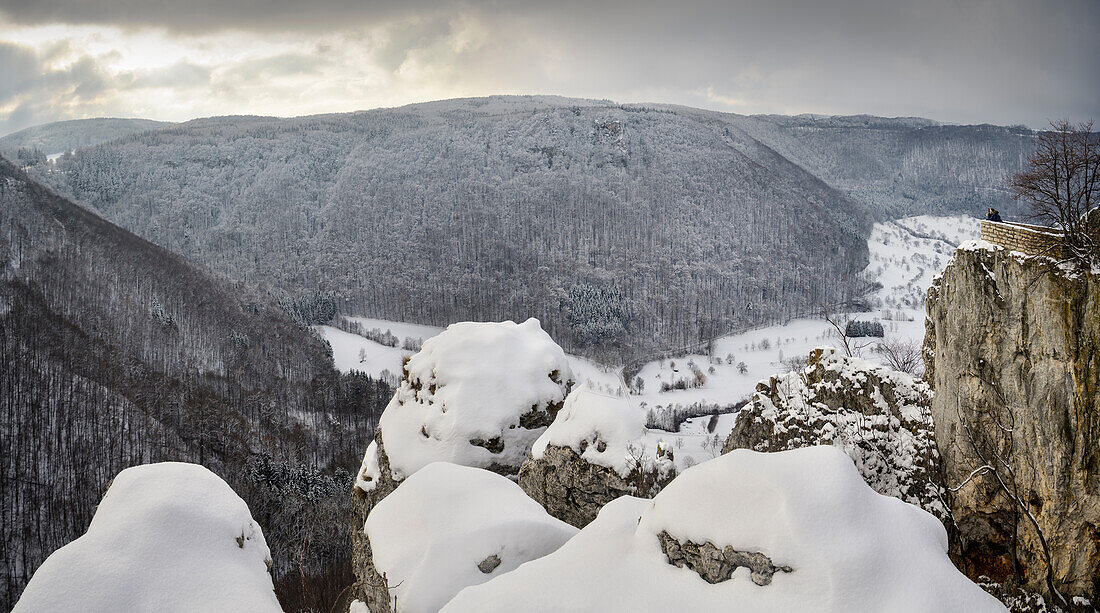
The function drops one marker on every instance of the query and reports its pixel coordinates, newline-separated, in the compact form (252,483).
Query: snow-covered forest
(624,229)
(115,352)
(679,257)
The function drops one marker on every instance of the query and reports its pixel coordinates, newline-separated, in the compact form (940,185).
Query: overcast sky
(966,61)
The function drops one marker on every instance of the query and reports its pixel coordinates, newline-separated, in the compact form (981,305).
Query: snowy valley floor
(905,255)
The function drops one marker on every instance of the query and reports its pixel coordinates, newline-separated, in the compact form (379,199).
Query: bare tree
(1061,185)
(903,355)
(851,348)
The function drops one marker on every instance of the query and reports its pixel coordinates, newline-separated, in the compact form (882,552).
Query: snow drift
(447,527)
(830,541)
(166,537)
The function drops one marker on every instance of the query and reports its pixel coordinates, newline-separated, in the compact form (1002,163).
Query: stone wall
(1025,238)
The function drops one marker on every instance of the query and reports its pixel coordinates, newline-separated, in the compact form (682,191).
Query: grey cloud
(179,75)
(270,67)
(207,15)
(20,69)
(1003,61)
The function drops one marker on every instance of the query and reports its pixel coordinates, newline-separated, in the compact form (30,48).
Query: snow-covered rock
(880,417)
(594,452)
(166,537)
(476,394)
(448,527)
(830,541)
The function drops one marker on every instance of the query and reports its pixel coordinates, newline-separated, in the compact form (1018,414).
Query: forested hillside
(622,228)
(902,167)
(62,136)
(116,352)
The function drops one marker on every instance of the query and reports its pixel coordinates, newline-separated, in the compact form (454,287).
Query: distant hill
(904,166)
(624,228)
(62,136)
(116,352)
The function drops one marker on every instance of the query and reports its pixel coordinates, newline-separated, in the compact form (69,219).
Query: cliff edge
(1012,349)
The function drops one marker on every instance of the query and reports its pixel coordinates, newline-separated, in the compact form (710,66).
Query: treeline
(114,352)
(622,229)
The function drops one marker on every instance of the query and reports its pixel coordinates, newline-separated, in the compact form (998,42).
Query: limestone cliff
(1012,349)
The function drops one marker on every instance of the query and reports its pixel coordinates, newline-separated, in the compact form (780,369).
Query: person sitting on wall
(993,215)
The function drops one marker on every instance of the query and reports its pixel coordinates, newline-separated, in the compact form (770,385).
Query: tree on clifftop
(1061,185)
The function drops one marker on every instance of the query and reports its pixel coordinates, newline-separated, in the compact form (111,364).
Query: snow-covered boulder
(881,418)
(593,453)
(166,537)
(476,394)
(448,527)
(792,531)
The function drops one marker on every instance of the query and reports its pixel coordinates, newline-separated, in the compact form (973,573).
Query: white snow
(693,443)
(166,537)
(430,534)
(351,352)
(601,427)
(400,329)
(472,381)
(849,548)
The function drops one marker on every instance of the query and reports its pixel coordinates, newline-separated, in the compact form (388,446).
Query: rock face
(593,453)
(1012,348)
(879,417)
(570,487)
(477,394)
(717,564)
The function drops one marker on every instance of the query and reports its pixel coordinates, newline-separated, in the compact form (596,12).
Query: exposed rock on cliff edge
(1012,349)
(879,417)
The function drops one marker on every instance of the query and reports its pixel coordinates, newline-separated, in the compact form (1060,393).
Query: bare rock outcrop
(879,417)
(570,487)
(1012,348)
(717,564)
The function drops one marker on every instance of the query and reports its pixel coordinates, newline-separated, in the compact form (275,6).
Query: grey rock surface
(570,487)
(717,564)
(1012,348)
